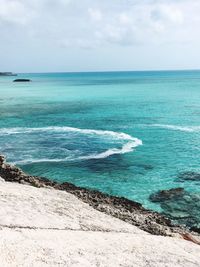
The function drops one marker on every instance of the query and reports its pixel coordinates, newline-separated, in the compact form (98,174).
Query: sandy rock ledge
(50,227)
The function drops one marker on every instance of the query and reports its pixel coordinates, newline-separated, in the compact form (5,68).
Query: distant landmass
(7,74)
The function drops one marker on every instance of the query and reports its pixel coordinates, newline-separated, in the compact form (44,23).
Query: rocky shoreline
(129,211)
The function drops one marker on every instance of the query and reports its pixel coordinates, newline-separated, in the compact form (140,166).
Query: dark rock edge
(126,210)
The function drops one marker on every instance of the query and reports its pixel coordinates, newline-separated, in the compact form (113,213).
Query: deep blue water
(124,133)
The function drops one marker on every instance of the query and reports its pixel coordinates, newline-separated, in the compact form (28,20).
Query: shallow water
(127,133)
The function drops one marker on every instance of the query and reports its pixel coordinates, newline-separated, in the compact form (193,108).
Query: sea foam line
(177,127)
(126,148)
(22,130)
(129,147)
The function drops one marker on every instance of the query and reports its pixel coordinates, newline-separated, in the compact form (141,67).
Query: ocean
(127,134)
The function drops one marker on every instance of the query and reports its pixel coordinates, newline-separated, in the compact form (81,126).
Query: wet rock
(14,174)
(189,176)
(2,159)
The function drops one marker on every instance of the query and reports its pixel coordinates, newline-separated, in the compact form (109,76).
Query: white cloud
(168,13)
(95,14)
(125,19)
(147,22)
(14,11)
(90,23)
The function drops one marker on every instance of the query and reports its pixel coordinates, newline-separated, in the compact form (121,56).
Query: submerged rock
(22,80)
(165,195)
(180,206)
(189,176)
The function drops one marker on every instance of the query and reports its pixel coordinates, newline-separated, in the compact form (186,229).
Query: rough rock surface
(48,227)
(122,208)
(25,206)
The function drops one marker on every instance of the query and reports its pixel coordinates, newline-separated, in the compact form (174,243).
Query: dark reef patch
(146,167)
(165,195)
(105,164)
(115,163)
(189,176)
(180,206)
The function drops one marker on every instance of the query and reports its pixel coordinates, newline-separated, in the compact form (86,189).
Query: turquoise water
(124,133)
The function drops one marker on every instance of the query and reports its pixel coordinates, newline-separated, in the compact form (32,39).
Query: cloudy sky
(92,35)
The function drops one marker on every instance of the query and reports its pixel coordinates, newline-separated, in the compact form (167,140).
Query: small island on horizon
(7,74)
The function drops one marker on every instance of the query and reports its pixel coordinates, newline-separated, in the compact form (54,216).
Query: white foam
(113,151)
(29,161)
(126,148)
(22,130)
(177,127)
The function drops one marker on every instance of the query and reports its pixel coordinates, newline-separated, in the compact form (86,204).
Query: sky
(99,35)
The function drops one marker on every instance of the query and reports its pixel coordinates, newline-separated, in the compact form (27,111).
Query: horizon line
(107,71)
